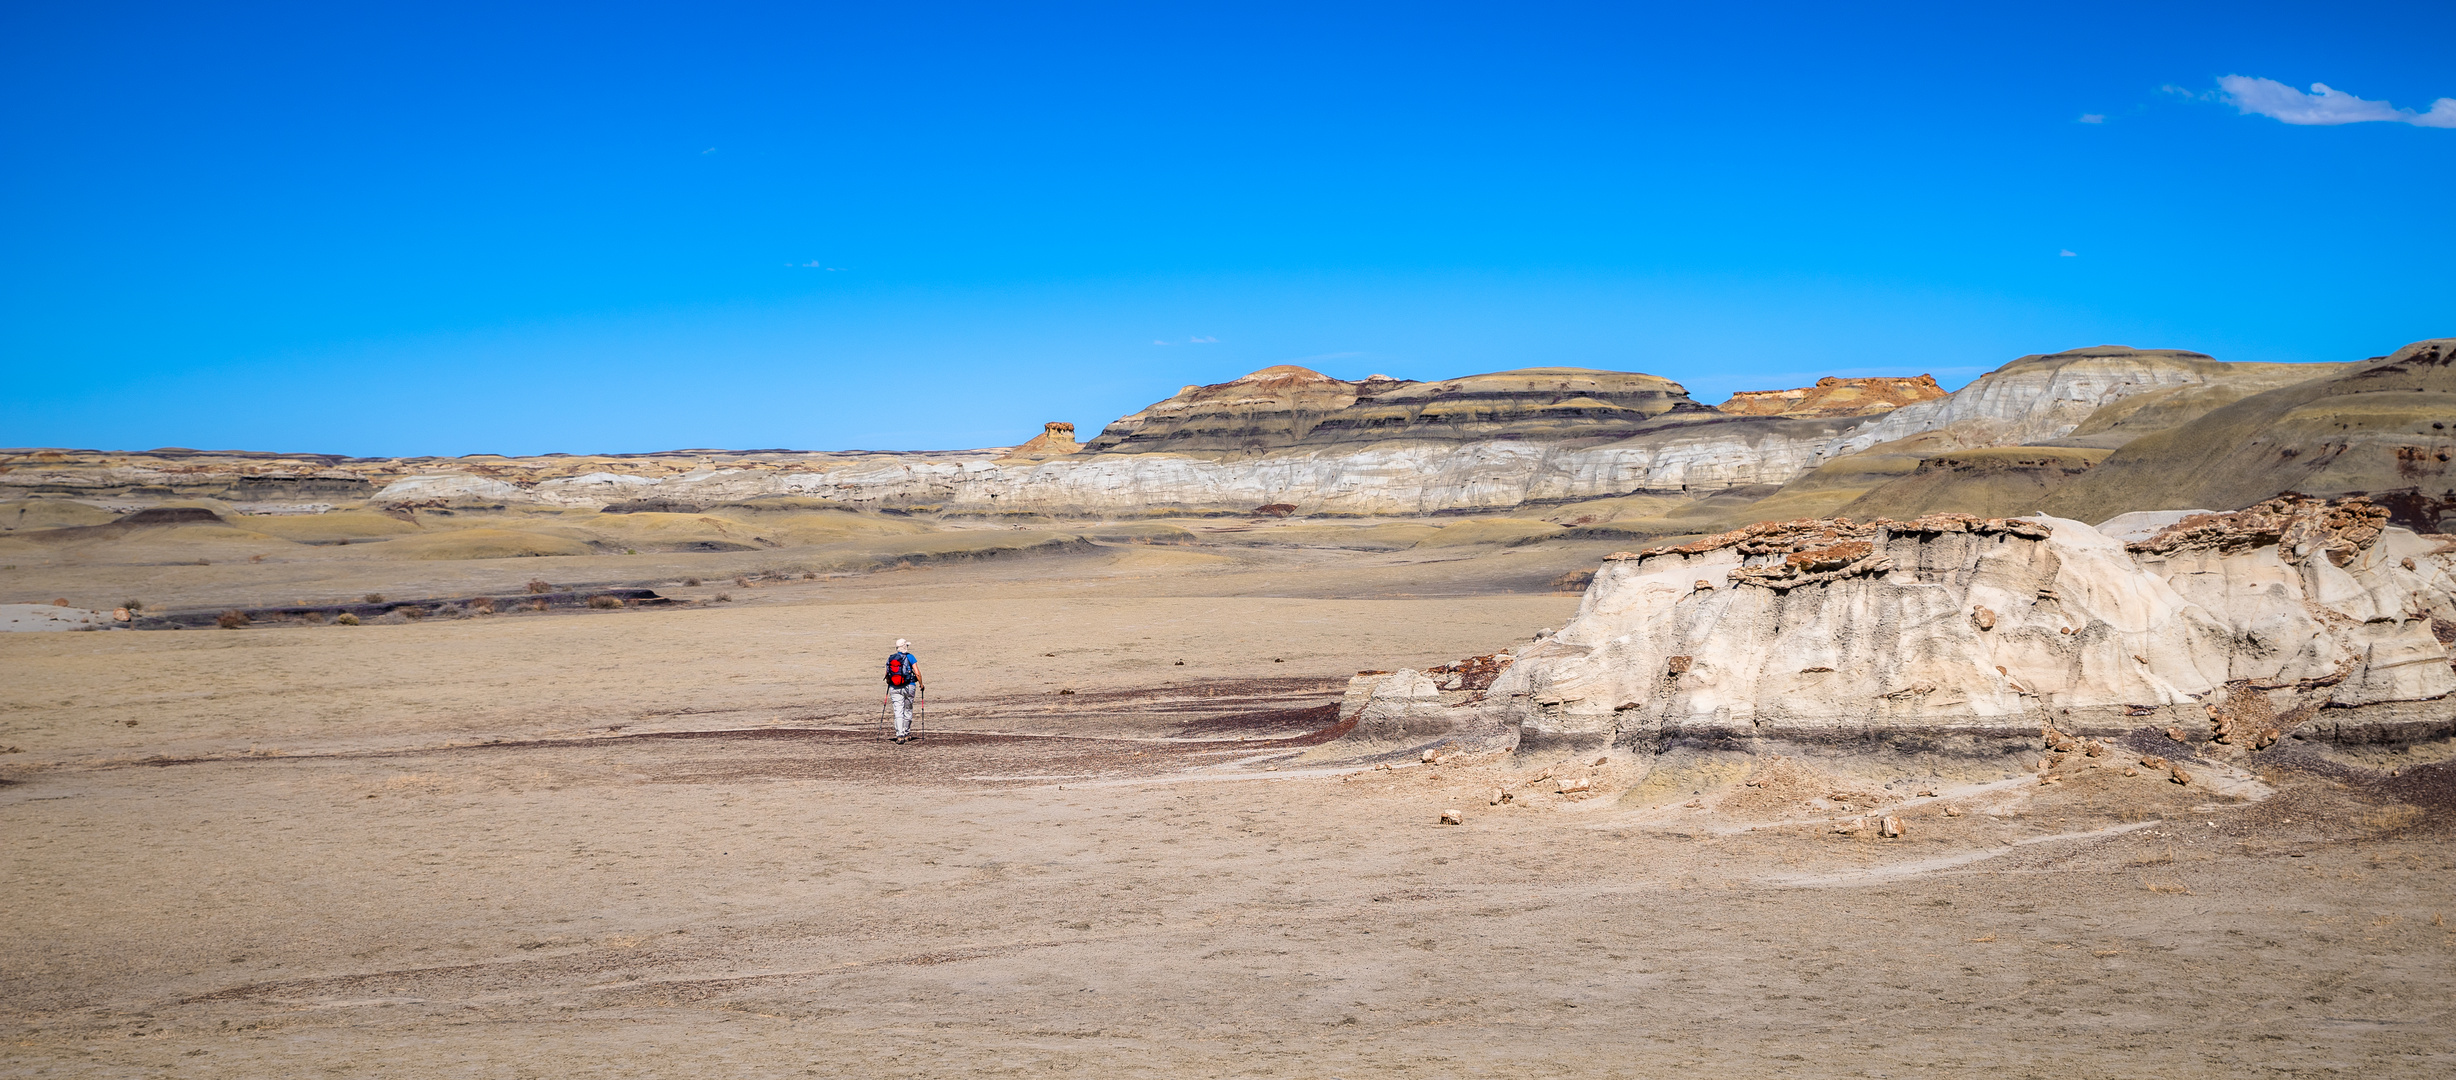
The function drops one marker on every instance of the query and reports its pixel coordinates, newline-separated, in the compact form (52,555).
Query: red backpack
(899,669)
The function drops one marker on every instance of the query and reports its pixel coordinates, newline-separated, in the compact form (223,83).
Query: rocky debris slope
(2386,428)
(1952,632)
(1834,397)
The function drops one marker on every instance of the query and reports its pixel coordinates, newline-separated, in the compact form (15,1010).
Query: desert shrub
(537,605)
(603,601)
(346,619)
(538,586)
(1277,510)
(231,620)
(1573,581)
(484,605)
(133,604)
(373,598)
(724,598)
(631,551)
(59,601)
(413,613)
(743,581)
(691,581)
(810,575)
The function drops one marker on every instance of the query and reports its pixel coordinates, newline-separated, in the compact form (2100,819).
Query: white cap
(902,644)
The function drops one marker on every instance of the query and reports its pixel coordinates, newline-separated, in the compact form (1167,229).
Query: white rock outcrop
(2294,613)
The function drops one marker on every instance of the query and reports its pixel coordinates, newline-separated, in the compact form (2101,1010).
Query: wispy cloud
(2067,253)
(2093,118)
(2325,105)
(1202,341)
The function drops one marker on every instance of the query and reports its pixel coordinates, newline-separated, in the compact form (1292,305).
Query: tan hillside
(2387,427)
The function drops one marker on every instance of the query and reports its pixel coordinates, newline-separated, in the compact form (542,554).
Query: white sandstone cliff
(1954,630)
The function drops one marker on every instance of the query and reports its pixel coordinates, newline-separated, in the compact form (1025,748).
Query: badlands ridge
(2038,428)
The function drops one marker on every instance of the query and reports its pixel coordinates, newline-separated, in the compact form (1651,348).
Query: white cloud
(2325,105)
(1157,341)
(2093,118)
(2067,253)
(1202,341)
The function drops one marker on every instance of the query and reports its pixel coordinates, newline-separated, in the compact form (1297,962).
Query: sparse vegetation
(133,604)
(413,613)
(602,601)
(724,598)
(1573,581)
(537,585)
(484,605)
(743,581)
(59,602)
(346,619)
(231,620)
(691,581)
(373,598)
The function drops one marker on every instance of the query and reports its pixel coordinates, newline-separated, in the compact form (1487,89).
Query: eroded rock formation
(1056,439)
(1953,631)
(1835,397)
(1290,436)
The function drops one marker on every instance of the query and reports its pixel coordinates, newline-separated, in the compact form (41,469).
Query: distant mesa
(1832,397)
(1287,407)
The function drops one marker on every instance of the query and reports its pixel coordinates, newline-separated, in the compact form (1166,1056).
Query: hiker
(903,687)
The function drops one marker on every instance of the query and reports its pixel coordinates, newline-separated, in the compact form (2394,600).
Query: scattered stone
(2266,738)
(1693,804)
(2176,734)
(1925,793)
(1703,585)
(1952,811)
(2153,761)
(1679,665)
(1985,618)
(1432,757)
(1499,796)
(2130,771)
(1453,817)
(1891,826)
(1601,759)
(1572,785)
(1852,827)
(2177,775)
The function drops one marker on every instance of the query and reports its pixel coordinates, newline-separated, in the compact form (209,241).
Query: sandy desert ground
(663,841)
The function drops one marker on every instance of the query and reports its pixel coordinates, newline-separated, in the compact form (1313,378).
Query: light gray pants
(901,697)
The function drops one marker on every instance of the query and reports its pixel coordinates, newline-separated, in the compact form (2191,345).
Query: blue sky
(445,229)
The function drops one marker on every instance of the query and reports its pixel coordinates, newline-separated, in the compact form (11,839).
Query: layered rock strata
(1835,397)
(1280,436)
(1954,632)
